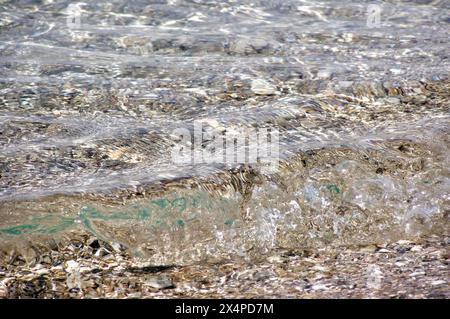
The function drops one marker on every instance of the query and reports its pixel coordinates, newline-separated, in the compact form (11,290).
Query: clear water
(88,110)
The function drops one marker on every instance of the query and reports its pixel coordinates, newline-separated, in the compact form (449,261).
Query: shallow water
(90,103)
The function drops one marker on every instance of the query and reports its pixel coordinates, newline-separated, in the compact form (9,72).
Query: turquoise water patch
(161,213)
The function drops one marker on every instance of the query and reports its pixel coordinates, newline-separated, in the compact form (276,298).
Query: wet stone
(262,87)
(248,46)
(159,282)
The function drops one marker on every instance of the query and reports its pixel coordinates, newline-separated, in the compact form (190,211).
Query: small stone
(71,284)
(438,282)
(419,99)
(72,266)
(345,84)
(401,264)
(248,45)
(40,270)
(393,100)
(374,277)
(134,295)
(73,281)
(387,85)
(263,275)
(117,247)
(46,260)
(396,71)
(417,273)
(348,37)
(160,283)
(319,287)
(259,44)
(320,268)
(102,252)
(416,248)
(324,74)
(406,99)
(262,87)
(85,269)
(275,259)
(57,268)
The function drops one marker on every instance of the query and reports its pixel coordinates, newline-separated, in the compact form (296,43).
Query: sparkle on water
(91,93)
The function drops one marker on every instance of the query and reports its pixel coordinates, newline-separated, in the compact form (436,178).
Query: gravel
(404,269)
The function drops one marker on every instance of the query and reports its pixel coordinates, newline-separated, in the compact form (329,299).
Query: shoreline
(94,269)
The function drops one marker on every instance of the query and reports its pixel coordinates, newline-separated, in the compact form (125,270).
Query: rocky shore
(89,268)
(93,97)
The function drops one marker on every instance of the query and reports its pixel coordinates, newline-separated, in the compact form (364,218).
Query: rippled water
(88,108)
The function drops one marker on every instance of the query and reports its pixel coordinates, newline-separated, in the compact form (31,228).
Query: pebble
(324,74)
(72,266)
(320,268)
(401,264)
(275,259)
(262,87)
(41,271)
(396,71)
(420,99)
(85,269)
(416,248)
(393,100)
(73,281)
(57,268)
(117,247)
(263,275)
(160,283)
(438,282)
(248,45)
(348,37)
(101,252)
(417,273)
(46,260)
(319,287)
